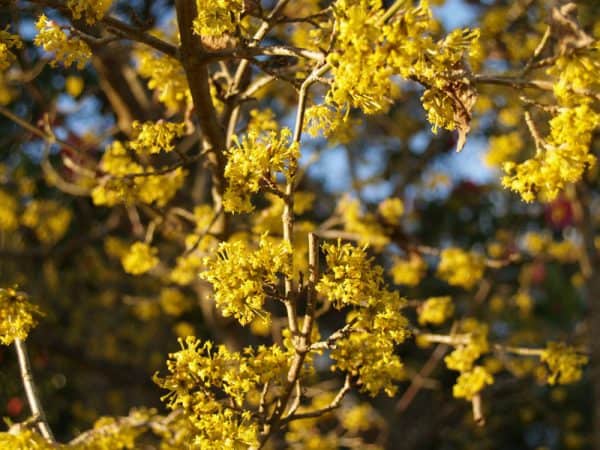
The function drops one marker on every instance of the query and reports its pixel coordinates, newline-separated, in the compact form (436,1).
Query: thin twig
(31,392)
(335,403)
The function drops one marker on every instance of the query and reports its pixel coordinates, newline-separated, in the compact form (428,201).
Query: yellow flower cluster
(239,275)
(109,432)
(503,148)
(563,159)
(409,271)
(336,126)
(9,220)
(67,49)
(471,383)
(166,77)
(364,224)
(217,17)
(463,357)
(213,385)
(436,310)
(391,209)
(367,352)
(173,302)
(368,52)
(472,378)
(351,278)
(7,93)
(254,161)
(542,244)
(577,72)
(564,363)
(25,439)
(8,41)
(92,10)
(17,315)
(118,186)
(48,220)
(154,137)
(140,258)
(461,268)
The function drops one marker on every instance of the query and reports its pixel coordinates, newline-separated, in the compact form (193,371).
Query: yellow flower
(166,77)
(254,161)
(154,137)
(471,383)
(173,302)
(463,357)
(212,385)
(436,310)
(563,159)
(564,363)
(67,49)
(364,224)
(74,85)
(503,148)
(461,268)
(17,315)
(217,17)
(368,351)
(409,271)
(140,258)
(242,277)
(117,186)
(9,220)
(8,41)
(48,220)
(391,209)
(92,10)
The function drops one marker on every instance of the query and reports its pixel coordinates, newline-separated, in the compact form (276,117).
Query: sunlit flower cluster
(461,268)
(464,356)
(166,77)
(67,49)
(472,382)
(577,74)
(154,137)
(240,276)
(409,271)
(253,162)
(91,10)
(331,122)
(48,219)
(127,181)
(473,378)
(402,46)
(564,363)
(217,17)
(562,160)
(391,209)
(352,280)
(17,315)
(9,219)
(213,385)
(140,258)
(436,310)
(503,148)
(364,224)
(8,41)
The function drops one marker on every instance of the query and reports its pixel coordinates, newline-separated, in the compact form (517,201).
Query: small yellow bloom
(461,268)
(140,259)
(74,85)
(17,315)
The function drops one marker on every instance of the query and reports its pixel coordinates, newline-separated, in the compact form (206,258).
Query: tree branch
(35,405)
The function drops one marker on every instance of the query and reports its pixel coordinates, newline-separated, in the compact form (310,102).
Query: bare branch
(35,405)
